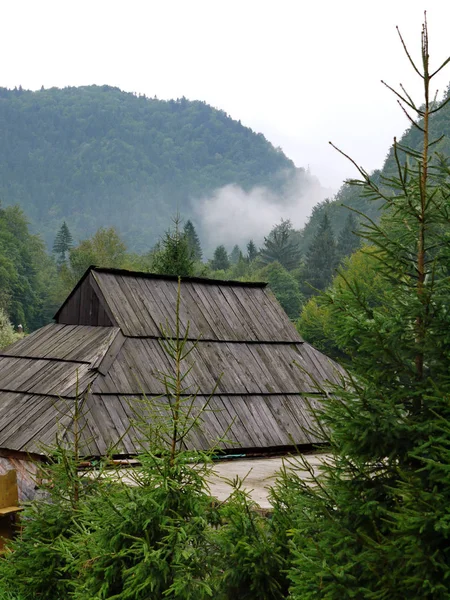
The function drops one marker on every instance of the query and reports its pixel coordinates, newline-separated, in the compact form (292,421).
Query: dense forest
(297,263)
(98,157)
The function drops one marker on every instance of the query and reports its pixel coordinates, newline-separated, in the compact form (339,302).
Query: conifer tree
(281,246)
(220,259)
(235,255)
(174,256)
(252,251)
(154,539)
(373,523)
(62,244)
(348,242)
(321,259)
(193,241)
(35,565)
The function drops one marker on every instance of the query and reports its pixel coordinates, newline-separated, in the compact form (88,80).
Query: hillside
(97,157)
(350,195)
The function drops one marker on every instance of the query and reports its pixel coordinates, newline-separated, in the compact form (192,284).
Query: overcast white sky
(303,73)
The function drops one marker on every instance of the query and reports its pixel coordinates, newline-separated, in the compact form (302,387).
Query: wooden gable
(86,305)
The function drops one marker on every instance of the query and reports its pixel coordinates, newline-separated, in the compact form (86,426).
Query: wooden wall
(26,475)
(85,307)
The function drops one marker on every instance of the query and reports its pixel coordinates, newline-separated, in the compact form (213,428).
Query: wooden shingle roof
(105,345)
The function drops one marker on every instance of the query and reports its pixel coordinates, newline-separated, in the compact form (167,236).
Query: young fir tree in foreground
(375,523)
(163,536)
(153,538)
(34,565)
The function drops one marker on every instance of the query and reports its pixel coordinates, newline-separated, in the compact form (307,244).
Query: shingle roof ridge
(204,280)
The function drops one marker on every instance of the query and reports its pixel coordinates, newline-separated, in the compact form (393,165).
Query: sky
(302,73)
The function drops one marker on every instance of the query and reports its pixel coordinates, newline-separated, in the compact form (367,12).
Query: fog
(232,215)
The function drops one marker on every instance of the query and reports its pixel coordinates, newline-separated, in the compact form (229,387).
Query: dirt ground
(259,474)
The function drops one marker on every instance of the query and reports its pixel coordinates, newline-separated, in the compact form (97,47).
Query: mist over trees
(34,282)
(115,159)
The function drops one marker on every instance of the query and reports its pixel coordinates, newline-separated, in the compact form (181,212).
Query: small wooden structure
(9,506)
(105,347)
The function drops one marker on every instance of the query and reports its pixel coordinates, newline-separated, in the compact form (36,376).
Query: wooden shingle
(106,346)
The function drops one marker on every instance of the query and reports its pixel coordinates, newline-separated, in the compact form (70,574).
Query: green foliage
(325,328)
(7,334)
(114,159)
(220,261)
(25,270)
(104,249)
(174,254)
(373,522)
(11,596)
(281,246)
(285,288)
(321,260)
(249,553)
(35,565)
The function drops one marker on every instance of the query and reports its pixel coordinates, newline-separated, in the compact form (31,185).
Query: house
(104,346)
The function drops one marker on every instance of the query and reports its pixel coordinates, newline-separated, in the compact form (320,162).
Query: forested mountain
(98,157)
(101,173)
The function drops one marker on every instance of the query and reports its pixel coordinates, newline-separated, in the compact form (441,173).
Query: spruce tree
(252,251)
(154,539)
(62,244)
(235,255)
(174,256)
(280,245)
(348,242)
(374,522)
(220,261)
(193,241)
(36,564)
(321,259)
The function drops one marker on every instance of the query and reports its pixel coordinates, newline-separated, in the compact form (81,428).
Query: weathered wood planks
(106,348)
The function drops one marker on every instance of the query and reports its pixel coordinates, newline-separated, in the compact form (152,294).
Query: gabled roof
(139,303)
(106,345)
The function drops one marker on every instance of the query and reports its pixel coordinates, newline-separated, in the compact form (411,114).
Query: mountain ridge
(96,156)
